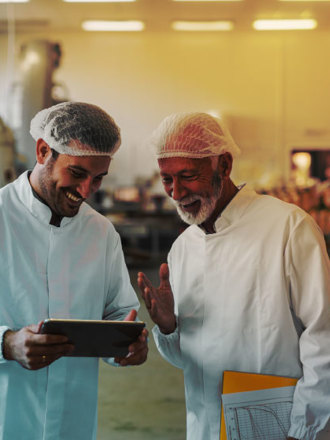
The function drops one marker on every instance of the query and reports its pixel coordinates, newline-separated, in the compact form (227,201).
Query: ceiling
(56,15)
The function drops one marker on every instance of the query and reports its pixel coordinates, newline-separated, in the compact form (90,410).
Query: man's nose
(85,188)
(178,191)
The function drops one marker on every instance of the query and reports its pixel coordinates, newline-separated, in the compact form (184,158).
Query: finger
(53,355)
(40,361)
(147,297)
(136,348)
(135,358)
(131,316)
(46,360)
(145,280)
(140,342)
(164,275)
(38,354)
(47,339)
(140,277)
(119,359)
(140,282)
(153,307)
(34,328)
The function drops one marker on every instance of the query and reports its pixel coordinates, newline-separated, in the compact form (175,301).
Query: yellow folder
(236,382)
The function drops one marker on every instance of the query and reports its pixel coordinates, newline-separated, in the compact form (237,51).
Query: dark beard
(47,186)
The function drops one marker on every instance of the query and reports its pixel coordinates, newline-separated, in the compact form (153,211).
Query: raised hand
(159,301)
(32,350)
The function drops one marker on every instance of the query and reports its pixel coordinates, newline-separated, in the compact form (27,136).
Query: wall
(272,88)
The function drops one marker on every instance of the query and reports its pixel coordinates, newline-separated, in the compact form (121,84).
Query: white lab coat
(76,270)
(234,292)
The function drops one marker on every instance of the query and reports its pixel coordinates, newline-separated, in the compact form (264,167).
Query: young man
(61,259)
(246,287)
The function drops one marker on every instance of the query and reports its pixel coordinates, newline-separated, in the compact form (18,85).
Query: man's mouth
(72,197)
(190,207)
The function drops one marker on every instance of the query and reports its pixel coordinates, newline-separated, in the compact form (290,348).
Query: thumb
(164,275)
(35,328)
(131,316)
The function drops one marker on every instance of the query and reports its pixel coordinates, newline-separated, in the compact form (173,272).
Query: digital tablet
(95,338)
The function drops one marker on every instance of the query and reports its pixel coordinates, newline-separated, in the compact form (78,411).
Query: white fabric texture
(194,135)
(77,271)
(242,297)
(77,129)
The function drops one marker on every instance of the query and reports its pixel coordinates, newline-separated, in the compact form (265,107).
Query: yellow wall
(272,88)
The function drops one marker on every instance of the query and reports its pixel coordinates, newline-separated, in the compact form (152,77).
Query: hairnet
(77,129)
(192,135)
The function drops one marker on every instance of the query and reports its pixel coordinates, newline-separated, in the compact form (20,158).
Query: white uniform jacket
(254,297)
(77,271)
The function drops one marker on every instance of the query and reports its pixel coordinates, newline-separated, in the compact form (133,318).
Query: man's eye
(189,176)
(76,174)
(166,180)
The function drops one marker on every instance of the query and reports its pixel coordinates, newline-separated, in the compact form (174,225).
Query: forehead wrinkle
(185,170)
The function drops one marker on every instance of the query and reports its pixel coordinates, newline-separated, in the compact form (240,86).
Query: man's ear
(43,151)
(225,165)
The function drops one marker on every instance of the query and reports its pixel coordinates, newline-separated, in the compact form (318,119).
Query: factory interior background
(272,87)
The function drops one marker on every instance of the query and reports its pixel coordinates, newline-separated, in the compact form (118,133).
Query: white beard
(206,209)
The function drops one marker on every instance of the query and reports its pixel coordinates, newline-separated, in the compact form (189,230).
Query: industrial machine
(34,90)
(7,154)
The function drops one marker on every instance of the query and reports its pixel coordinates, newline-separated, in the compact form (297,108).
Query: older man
(58,258)
(246,287)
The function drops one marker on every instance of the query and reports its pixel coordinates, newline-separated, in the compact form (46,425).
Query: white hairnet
(192,135)
(77,129)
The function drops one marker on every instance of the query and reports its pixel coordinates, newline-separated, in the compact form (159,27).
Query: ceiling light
(98,25)
(310,1)
(202,25)
(14,1)
(98,1)
(283,25)
(207,1)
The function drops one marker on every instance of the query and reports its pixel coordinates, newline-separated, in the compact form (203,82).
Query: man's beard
(207,204)
(47,185)
(53,197)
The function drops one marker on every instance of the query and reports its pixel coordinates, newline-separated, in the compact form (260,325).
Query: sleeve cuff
(156,332)
(3,330)
(309,433)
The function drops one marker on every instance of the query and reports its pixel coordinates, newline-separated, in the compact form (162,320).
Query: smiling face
(66,182)
(193,185)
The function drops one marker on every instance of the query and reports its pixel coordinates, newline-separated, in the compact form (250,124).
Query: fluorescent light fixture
(14,1)
(98,1)
(310,1)
(284,25)
(202,25)
(204,1)
(116,26)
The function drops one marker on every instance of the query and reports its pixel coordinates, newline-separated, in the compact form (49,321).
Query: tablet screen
(96,338)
